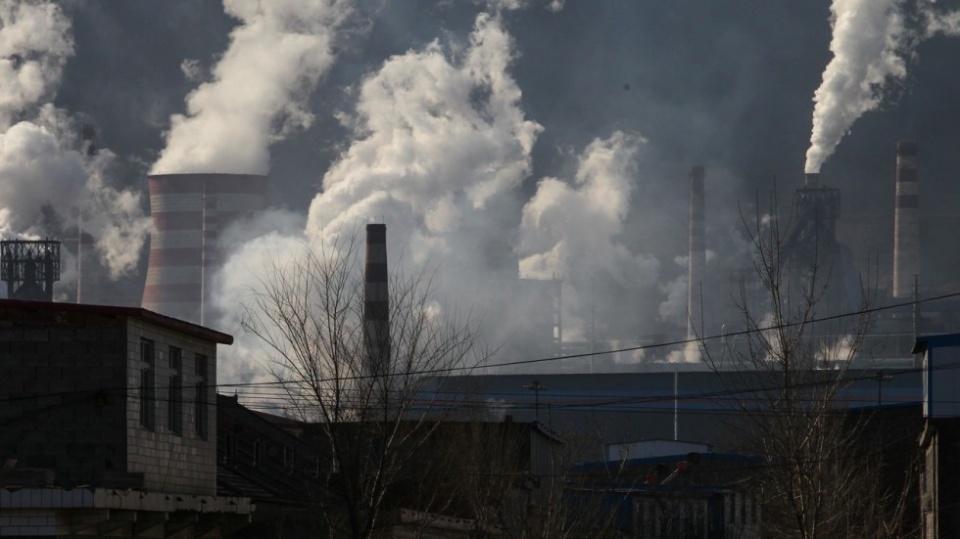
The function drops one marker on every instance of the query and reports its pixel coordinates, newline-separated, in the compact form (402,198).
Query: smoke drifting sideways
(439,146)
(866,38)
(871,42)
(51,179)
(572,231)
(259,88)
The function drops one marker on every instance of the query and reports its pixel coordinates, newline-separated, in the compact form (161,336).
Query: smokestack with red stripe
(376,302)
(906,234)
(697,259)
(189,213)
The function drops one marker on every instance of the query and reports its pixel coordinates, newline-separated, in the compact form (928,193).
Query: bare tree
(783,379)
(371,414)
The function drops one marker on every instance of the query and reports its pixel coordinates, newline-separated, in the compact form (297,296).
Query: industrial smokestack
(811,180)
(906,234)
(376,303)
(697,258)
(189,211)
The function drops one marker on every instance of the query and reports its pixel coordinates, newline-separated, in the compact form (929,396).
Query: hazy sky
(601,107)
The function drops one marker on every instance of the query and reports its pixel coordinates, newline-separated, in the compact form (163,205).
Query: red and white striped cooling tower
(189,212)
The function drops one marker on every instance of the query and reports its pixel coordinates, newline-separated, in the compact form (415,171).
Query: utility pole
(535,387)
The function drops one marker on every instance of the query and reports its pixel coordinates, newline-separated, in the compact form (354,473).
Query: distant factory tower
(30,268)
(697,259)
(906,234)
(189,213)
(376,303)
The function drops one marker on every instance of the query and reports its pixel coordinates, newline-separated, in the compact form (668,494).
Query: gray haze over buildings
(553,138)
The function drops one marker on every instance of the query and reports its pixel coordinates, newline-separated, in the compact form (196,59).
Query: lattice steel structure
(30,268)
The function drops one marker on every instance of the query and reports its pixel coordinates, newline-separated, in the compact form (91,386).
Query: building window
(257,452)
(175,392)
(200,416)
(147,397)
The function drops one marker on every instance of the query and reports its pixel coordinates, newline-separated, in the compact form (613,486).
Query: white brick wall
(171,463)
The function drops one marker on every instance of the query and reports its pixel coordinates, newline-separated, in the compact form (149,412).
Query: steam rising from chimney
(440,145)
(437,141)
(571,231)
(259,90)
(866,37)
(35,42)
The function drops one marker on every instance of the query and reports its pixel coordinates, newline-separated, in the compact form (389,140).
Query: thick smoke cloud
(439,139)
(724,84)
(572,231)
(30,156)
(440,144)
(867,36)
(259,88)
(872,43)
(51,179)
(35,42)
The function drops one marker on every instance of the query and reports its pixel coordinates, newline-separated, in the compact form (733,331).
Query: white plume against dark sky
(439,133)
(35,42)
(870,46)
(46,183)
(533,136)
(866,37)
(258,89)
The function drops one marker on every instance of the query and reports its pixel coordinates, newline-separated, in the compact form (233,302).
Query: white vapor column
(866,37)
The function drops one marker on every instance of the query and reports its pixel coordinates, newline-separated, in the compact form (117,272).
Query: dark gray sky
(725,84)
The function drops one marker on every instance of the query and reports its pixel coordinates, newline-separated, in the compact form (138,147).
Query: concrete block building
(108,409)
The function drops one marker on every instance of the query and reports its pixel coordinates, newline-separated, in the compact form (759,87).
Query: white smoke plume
(260,87)
(439,138)
(937,23)
(867,35)
(571,231)
(674,307)
(49,187)
(48,184)
(115,217)
(35,42)
(38,177)
(689,353)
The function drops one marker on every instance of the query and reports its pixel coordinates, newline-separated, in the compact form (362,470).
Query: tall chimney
(376,303)
(697,258)
(906,233)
